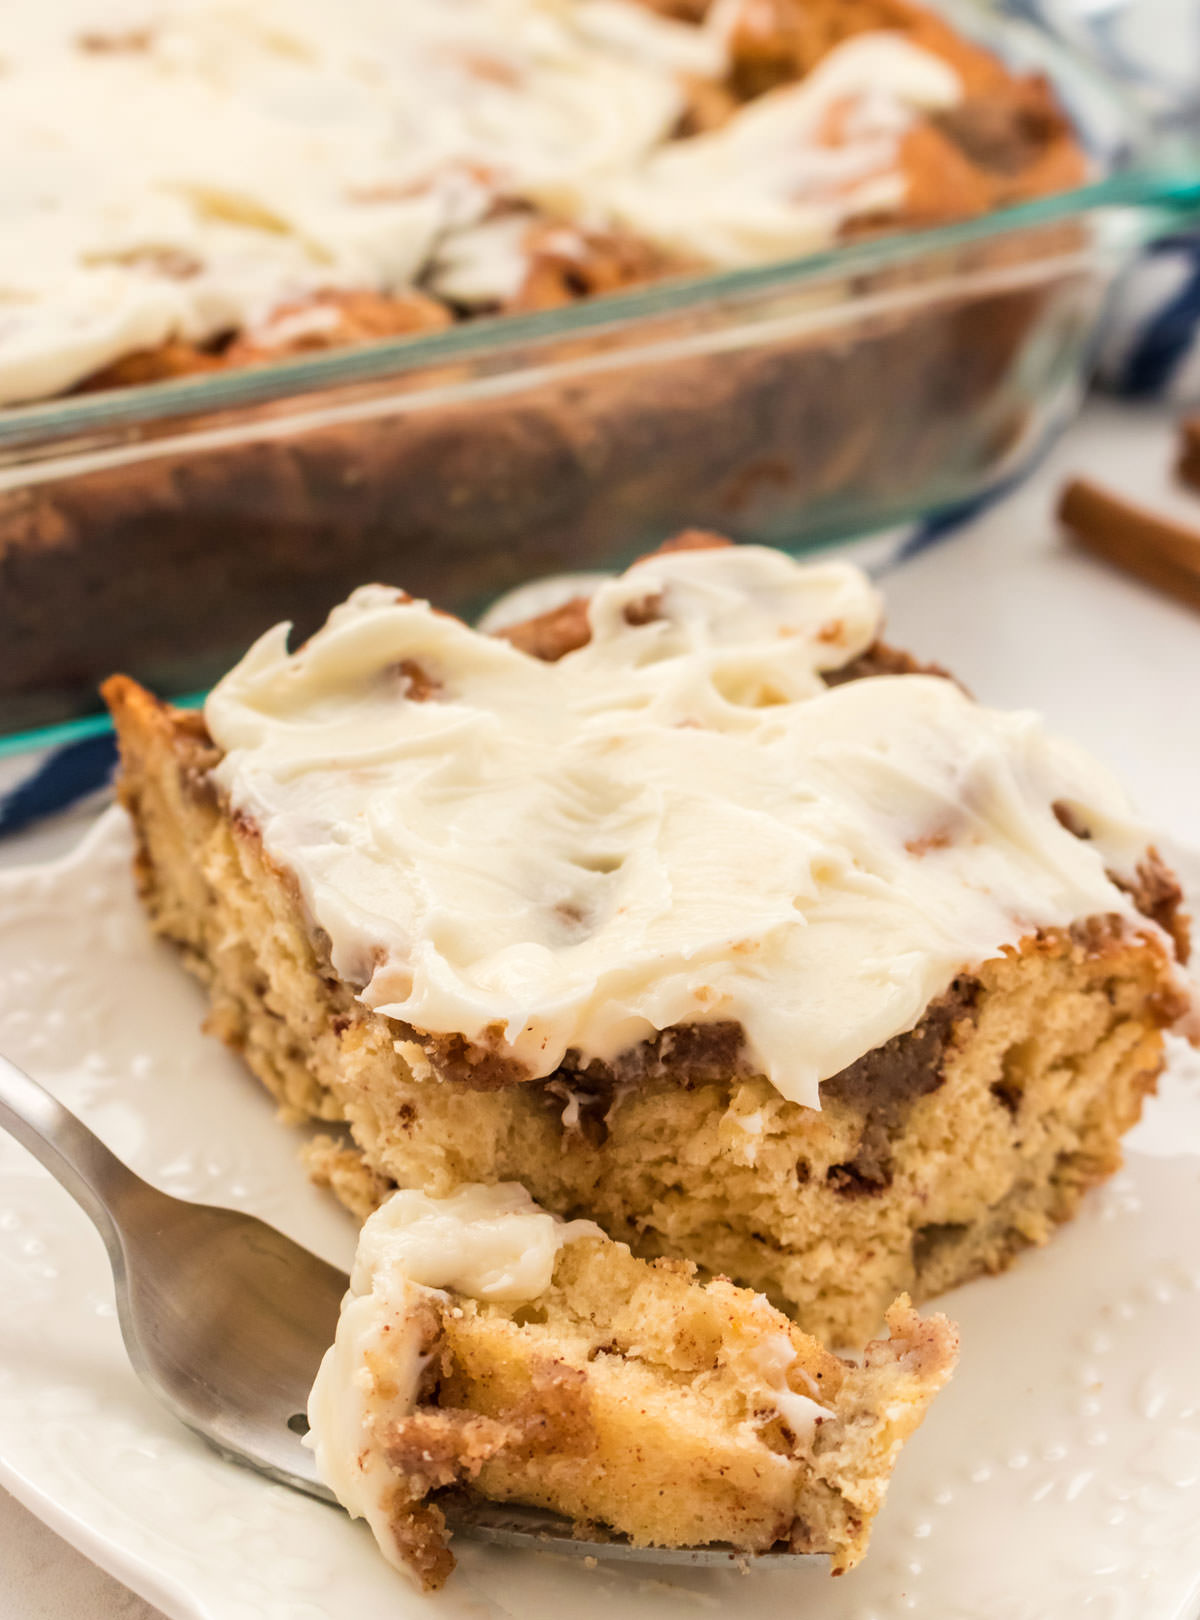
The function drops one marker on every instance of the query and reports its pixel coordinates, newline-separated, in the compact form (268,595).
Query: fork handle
(77,1159)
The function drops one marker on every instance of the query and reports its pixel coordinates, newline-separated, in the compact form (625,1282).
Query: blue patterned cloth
(49,781)
(1151,48)
(1151,345)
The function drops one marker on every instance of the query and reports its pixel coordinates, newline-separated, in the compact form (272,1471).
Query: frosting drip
(678,823)
(181,168)
(489,1243)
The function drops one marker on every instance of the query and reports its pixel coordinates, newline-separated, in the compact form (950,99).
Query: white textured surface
(1060,1473)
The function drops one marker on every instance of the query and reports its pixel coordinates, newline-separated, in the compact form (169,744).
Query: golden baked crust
(935,1157)
(355,317)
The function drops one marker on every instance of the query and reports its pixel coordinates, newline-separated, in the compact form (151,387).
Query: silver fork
(225,1320)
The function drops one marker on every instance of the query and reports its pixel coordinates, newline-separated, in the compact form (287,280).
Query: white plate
(1058,1475)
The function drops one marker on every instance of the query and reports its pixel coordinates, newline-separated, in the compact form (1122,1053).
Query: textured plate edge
(107,1554)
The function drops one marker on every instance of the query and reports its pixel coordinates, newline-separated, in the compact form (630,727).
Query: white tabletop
(975,587)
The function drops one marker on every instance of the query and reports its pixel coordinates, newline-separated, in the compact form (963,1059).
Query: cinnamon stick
(1152,548)
(1188,465)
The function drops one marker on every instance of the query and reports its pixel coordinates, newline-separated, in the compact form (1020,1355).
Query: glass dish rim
(86,728)
(1168,179)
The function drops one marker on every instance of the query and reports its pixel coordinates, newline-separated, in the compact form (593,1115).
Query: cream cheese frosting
(678,823)
(766,185)
(181,168)
(488,1243)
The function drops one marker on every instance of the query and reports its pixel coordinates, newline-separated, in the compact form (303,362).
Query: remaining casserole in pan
(846,271)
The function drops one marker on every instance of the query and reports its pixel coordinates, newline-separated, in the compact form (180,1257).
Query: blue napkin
(48,781)
(1150,347)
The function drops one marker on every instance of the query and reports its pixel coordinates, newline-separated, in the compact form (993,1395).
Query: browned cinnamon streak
(1154,549)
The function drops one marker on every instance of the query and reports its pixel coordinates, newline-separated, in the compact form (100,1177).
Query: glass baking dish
(158,529)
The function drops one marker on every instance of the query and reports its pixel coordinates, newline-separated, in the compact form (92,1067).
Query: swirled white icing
(767,184)
(678,823)
(180,168)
